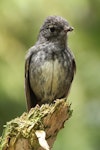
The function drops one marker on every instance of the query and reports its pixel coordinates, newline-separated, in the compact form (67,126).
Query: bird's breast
(47,78)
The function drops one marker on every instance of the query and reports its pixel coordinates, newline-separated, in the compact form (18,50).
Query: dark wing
(30,96)
(72,71)
(73,67)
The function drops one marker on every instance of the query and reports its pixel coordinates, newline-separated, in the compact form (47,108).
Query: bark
(37,129)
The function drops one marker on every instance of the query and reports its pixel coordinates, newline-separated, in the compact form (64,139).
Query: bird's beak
(68,28)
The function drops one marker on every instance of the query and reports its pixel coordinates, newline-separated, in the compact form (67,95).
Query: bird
(49,64)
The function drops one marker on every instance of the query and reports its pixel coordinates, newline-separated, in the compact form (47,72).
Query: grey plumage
(50,65)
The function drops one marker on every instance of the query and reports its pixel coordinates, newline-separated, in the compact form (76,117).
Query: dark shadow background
(20,21)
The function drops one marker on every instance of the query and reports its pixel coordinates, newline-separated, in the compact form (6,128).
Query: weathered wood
(36,130)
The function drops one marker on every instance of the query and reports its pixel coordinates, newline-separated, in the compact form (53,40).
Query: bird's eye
(52,29)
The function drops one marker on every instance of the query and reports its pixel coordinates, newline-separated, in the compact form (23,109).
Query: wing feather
(30,96)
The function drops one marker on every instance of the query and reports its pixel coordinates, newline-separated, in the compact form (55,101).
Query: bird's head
(55,28)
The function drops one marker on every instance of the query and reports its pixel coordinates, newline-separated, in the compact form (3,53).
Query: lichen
(37,119)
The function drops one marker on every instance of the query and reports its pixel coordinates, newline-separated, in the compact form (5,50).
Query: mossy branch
(36,130)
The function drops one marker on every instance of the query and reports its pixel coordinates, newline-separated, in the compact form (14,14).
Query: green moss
(26,125)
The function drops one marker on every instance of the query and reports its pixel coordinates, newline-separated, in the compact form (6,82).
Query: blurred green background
(20,21)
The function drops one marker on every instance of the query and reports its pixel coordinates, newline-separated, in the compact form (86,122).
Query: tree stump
(37,129)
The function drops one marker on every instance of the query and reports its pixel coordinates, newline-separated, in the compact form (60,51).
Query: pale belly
(48,80)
